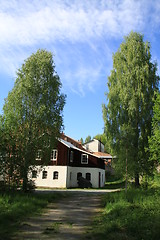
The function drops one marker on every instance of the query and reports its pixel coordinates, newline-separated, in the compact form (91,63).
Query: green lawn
(14,207)
(131,216)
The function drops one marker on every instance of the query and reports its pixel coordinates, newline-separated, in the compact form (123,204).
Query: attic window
(54,155)
(84,159)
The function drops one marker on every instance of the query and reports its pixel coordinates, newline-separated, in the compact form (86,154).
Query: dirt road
(70,218)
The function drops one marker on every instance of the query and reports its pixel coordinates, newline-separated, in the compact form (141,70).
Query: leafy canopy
(154,140)
(32,113)
(129,108)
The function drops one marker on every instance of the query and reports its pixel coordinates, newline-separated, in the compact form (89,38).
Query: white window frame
(84,158)
(54,154)
(39,155)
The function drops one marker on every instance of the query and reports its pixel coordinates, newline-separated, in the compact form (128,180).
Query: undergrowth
(134,215)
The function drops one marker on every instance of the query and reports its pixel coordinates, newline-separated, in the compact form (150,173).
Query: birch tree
(129,109)
(32,113)
(154,140)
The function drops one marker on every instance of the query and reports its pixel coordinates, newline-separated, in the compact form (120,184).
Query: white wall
(67,176)
(49,181)
(94,146)
(72,176)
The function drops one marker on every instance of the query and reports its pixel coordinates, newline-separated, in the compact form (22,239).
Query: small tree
(129,110)
(88,138)
(154,140)
(81,140)
(33,113)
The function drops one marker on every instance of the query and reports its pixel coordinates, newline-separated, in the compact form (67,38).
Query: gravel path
(70,218)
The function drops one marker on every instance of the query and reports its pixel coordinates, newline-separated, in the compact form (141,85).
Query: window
(71,156)
(34,174)
(79,174)
(84,159)
(54,155)
(44,174)
(55,175)
(88,176)
(39,155)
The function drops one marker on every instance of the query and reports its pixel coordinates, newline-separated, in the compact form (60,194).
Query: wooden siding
(63,158)
(93,162)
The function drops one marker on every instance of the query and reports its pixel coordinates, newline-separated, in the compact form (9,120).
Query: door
(99,179)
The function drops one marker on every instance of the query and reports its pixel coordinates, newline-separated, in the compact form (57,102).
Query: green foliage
(154,140)
(32,115)
(135,216)
(81,140)
(88,138)
(129,111)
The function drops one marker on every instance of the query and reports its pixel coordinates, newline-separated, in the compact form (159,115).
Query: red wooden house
(68,162)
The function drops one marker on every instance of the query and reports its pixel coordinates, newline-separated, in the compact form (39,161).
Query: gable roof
(103,155)
(70,145)
(72,141)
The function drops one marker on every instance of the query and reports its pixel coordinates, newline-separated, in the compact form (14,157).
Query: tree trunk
(137,184)
(126,183)
(25,181)
(25,177)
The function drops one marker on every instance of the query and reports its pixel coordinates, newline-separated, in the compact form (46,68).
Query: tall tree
(154,140)
(129,111)
(32,113)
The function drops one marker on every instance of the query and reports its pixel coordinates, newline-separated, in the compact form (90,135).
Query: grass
(131,216)
(114,181)
(15,207)
(53,228)
(115,184)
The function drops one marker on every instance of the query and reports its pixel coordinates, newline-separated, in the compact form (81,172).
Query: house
(94,145)
(97,148)
(68,162)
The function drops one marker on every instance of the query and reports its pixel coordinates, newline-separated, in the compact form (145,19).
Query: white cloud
(52,20)
(32,24)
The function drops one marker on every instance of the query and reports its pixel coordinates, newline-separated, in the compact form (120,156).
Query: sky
(82,35)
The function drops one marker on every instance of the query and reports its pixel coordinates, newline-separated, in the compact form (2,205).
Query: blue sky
(82,35)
